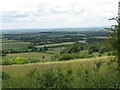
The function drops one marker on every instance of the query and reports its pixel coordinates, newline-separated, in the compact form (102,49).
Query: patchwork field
(15,45)
(56,44)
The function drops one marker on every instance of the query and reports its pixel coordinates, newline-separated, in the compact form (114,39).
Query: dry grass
(63,65)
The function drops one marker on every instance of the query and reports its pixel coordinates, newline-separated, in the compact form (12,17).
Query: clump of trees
(79,51)
(72,49)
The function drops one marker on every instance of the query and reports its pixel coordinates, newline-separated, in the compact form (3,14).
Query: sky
(32,14)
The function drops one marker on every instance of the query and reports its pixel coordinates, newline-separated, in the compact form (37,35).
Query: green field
(101,37)
(30,55)
(15,45)
(57,51)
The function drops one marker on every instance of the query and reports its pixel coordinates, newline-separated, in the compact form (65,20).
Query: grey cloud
(72,11)
(12,16)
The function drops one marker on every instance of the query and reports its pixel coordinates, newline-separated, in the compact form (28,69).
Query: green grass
(78,73)
(15,45)
(54,51)
(101,37)
(18,69)
(56,44)
(30,55)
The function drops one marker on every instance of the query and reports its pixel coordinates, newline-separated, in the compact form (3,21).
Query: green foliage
(62,57)
(51,79)
(98,76)
(30,46)
(33,75)
(34,49)
(73,49)
(93,49)
(3,53)
(20,60)
(66,57)
(5,76)
(114,37)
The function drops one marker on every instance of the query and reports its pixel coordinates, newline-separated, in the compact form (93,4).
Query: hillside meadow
(30,55)
(99,72)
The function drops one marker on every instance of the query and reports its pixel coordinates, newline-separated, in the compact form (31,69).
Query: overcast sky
(17,14)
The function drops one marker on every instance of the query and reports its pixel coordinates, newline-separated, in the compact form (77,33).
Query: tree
(114,39)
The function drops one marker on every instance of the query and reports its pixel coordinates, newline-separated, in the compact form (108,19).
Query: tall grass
(101,74)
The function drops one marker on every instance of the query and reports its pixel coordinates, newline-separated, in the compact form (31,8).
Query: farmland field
(31,55)
(68,43)
(15,45)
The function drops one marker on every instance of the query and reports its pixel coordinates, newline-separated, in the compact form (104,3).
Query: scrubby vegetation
(98,74)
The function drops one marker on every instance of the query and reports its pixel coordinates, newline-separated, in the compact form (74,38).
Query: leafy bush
(72,49)
(5,76)
(20,60)
(56,79)
(93,49)
(84,54)
(62,57)
(66,57)
(33,74)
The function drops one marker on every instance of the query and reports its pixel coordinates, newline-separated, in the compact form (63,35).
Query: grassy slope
(63,65)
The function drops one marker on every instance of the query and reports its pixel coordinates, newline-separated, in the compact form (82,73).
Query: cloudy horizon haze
(19,14)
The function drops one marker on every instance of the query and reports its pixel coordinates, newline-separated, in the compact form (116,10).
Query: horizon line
(54,28)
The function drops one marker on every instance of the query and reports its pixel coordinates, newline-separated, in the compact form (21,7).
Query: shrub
(84,54)
(66,57)
(47,79)
(20,60)
(58,79)
(5,76)
(93,49)
(33,74)
(72,49)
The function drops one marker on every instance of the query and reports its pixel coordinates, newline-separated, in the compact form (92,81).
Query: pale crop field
(55,44)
